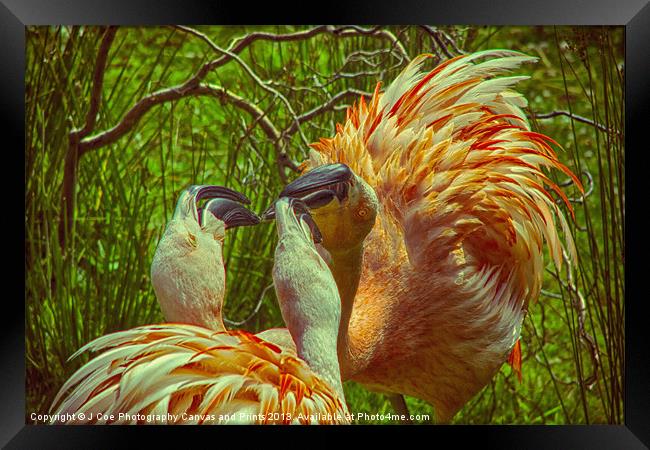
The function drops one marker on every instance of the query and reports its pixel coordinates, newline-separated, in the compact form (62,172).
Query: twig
(577,118)
(551,294)
(438,36)
(98,82)
(451,42)
(375,31)
(349,75)
(363,55)
(248,70)
(171,94)
(232,323)
(588,192)
(241,43)
(580,305)
(328,106)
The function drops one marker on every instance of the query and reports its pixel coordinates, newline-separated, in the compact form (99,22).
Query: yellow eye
(191,239)
(362,212)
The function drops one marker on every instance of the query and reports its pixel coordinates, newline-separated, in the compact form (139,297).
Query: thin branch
(364,55)
(588,192)
(248,70)
(328,106)
(242,43)
(451,42)
(98,82)
(438,36)
(551,294)
(577,118)
(375,31)
(172,94)
(580,305)
(349,75)
(232,323)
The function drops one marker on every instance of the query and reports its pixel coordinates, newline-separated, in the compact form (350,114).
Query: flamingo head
(343,206)
(187,270)
(226,208)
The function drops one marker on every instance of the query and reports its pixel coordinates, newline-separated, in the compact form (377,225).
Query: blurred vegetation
(90,276)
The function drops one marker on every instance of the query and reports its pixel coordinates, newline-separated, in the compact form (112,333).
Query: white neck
(188,276)
(308,297)
(317,347)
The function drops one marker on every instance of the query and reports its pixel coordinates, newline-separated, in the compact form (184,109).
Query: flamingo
(435,294)
(196,372)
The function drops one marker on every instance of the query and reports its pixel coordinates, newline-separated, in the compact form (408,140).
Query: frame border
(633,14)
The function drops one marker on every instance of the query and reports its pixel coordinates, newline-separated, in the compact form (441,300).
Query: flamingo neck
(346,269)
(189,282)
(316,345)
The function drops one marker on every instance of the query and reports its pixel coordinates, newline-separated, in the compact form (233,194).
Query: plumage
(177,373)
(456,253)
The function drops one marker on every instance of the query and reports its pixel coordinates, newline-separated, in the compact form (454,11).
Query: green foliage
(125,191)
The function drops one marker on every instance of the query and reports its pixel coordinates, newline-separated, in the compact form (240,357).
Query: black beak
(231,213)
(301,210)
(318,187)
(200,192)
(187,205)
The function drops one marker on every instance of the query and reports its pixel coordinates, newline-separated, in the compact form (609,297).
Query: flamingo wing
(180,373)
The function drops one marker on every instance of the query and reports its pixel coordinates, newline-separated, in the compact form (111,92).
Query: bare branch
(577,118)
(242,43)
(328,106)
(588,192)
(349,30)
(74,153)
(364,55)
(436,37)
(580,305)
(171,94)
(442,40)
(248,70)
(551,294)
(233,323)
(98,82)
(451,42)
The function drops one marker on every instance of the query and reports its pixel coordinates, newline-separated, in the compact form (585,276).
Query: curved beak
(187,201)
(211,191)
(301,212)
(317,187)
(231,213)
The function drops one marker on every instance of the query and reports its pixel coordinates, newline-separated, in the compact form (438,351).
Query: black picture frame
(633,14)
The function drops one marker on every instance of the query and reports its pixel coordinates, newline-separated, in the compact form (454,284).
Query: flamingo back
(179,373)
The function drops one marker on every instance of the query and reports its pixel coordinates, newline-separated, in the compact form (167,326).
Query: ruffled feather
(179,373)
